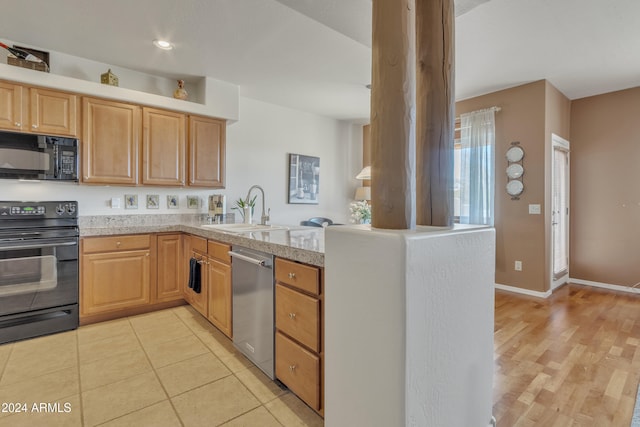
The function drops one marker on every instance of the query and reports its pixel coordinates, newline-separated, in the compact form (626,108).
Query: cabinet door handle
(292,368)
(292,275)
(34,126)
(147,254)
(17,124)
(292,316)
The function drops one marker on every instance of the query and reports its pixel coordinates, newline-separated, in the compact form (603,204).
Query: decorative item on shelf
(181,92)
(172,202)
(153,201)
(131,201)
(241,204)
(109,78)
(515,170)
(27,58)
(360,212)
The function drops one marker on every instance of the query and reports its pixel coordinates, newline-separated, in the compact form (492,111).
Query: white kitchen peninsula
(409,326)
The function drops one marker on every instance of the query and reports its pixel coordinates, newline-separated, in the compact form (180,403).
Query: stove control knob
(71,209)
(60,210)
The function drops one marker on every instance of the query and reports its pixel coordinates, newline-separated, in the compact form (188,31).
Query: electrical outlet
(115,203)
(534,209)
(518,266)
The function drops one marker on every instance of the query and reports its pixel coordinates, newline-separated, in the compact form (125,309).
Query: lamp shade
(365,173)
(363,193)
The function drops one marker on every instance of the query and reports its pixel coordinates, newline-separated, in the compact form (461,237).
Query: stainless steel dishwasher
(253,324)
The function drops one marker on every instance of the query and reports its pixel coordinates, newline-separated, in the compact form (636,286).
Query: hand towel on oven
(194,275)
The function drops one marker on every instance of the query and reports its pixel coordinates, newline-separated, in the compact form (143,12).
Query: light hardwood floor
(570,360)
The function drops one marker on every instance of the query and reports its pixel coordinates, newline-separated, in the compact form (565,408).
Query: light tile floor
(167,368)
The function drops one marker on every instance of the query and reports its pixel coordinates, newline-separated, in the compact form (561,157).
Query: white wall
(257,153)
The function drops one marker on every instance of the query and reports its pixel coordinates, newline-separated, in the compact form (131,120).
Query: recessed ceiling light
(163,44)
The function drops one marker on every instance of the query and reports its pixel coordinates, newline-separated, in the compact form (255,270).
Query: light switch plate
(115,203)
(534,209)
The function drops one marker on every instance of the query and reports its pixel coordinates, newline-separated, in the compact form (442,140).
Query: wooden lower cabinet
(299,369)
(116,273)
(196,247)
(214,300)
(299,340)
(219,280)
(169,283)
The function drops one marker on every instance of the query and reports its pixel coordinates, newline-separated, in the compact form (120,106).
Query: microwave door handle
(56,162)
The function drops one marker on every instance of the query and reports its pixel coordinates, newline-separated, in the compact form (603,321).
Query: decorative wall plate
(515,170)
(515,188)
(515,154)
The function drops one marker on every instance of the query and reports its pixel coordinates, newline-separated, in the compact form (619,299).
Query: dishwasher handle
(256,261)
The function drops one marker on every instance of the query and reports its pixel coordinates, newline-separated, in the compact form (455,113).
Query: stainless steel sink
(244,228)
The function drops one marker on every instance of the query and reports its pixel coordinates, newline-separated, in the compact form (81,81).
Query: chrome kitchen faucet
(247,209)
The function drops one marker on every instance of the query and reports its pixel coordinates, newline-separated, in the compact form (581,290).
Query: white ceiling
(315,55)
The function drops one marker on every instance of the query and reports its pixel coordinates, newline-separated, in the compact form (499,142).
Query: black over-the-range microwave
(41,157)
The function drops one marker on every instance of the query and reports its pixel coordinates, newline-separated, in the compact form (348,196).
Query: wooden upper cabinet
(206,152)
(11,106)
(38,110)
(163,147)
(53,112)
(110,143)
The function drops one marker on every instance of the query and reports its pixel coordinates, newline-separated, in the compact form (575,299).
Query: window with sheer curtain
(475,171)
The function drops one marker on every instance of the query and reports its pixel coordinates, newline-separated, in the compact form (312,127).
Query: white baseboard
(605,285)
(517,290)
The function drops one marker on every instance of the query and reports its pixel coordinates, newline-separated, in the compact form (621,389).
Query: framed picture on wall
(304,179)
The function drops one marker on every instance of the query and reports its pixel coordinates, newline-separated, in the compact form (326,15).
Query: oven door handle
(37,246)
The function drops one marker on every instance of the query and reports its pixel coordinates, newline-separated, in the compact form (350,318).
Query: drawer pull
(292,275)
(118,244)
(292,316)
(292,368)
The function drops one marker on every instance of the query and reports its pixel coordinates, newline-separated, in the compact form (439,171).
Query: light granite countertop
(298,243)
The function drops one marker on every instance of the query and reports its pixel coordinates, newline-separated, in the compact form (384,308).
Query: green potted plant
(241,204)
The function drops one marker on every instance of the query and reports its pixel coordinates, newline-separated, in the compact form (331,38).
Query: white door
(560,211)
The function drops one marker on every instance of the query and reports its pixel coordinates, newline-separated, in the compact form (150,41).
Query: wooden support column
(393,115)
(435,110)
